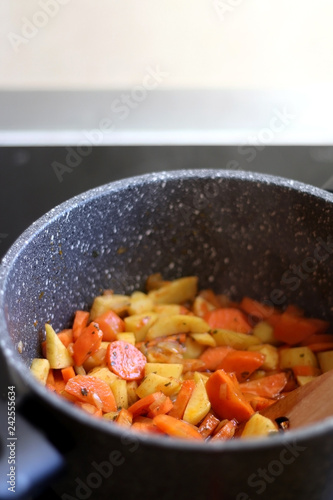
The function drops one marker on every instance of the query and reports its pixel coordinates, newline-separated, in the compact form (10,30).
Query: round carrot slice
(125,360)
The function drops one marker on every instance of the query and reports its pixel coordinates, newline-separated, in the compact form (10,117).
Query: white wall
(109,44)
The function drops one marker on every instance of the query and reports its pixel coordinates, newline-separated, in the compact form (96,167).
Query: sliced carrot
(81,320)
(318,338)
(87,343)
(320,347)
(242,363)
(125,360)
(182,399)
(294,329)
(226,432)
(208,425)
(110,324)
(144,424)
(58,381)
(160,407)
(141,406)
(306,370)
(66,336)
(92,390)
(267,387)
(124,418)
(256,309)
(226,398)
(229,318)
(213,356)
(258,403)
(177,428)
(67,373)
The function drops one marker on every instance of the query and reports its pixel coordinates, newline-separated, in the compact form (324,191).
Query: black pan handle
(28,461)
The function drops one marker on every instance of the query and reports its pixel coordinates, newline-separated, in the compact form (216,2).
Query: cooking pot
(241,234)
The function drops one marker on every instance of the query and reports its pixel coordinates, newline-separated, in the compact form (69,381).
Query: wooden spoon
(305,405)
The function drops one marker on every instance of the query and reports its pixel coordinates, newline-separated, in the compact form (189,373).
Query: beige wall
(111,43)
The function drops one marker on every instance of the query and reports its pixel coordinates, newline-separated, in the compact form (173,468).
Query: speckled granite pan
(241,233)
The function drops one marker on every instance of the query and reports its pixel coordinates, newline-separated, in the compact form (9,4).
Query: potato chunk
(56,352)
(154,383)
(139,324)
(271,355)
(297,356)
(165,369)
(176,292)
(257,426)
(325,360)
(103,303)
(236,340)
(178,323)
(198,405)
(40,369)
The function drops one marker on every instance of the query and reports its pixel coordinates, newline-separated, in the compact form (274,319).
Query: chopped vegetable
(213,356)
(267,387)
(81,320)
(257,426)
(226,397)
(183,398)
(40,369)
(177,428)
(110,324)
(87,343)
(208,425)
(295,329)
(256,309)
(242,363)
(227,431)
(228,318)
(125,360)
(183,362)
(92,390)
(56,353)
(198,405)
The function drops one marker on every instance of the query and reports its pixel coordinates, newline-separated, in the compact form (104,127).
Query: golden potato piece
(56,353)
(236,340)
(295,356)
(198,405)
(176,292)
(40,369)
(179,323)
(258,426)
